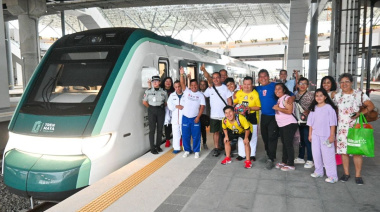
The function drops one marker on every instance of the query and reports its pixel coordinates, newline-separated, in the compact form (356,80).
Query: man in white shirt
(217,103)
(194,104)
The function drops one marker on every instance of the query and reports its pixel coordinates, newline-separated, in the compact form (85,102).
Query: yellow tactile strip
(108,198)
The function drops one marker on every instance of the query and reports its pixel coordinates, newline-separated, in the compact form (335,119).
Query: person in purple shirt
(322,121)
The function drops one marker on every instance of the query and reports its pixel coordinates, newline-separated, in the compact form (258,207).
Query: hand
(246,141)
(196,120)
(331,139)
(181,70)
(226,139)
(310,138)
(203,67)
(179,107)
(275,107)
(355,116)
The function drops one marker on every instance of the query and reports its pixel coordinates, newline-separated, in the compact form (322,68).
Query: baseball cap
(155,78)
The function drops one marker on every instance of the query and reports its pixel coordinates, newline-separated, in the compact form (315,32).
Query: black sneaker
(216,152)
(240,158)
(269,164)
(154,151)
(253,158)
(205,147)
(359,181)
(158,149)
(344,178)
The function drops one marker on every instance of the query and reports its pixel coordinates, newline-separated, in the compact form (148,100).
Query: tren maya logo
(40,126)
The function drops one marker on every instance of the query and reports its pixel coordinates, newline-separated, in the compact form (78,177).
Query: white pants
(252,143)
(177,134)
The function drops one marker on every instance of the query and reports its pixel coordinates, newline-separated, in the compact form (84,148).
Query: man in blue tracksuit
(193,106)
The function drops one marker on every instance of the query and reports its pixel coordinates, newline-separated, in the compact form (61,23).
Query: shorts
(215,126)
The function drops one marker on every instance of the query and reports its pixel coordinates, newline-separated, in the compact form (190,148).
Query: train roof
(120,35)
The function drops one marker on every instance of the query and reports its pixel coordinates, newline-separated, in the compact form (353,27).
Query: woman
(288,126)
(329,85)
(348,102)
(167,85)
(304,98)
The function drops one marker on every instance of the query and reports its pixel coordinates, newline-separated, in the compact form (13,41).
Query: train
(81,116)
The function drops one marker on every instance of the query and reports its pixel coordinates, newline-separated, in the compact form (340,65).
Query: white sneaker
(299,161)
(186,154)
(196,155)
(309,164)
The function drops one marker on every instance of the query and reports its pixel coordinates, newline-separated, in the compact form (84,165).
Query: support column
(11,80)
(28,13)
(313,48)
(297,26)
(4,90)
(29,45)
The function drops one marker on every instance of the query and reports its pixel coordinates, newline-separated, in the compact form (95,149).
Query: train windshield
(71,81)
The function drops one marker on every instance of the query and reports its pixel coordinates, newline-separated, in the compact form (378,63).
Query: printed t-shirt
(216,103)
(248,99)
(191,103)
(267,98)
(284,119)
(235,127)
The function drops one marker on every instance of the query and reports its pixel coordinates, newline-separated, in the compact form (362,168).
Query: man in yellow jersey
(249,98)
(236,127)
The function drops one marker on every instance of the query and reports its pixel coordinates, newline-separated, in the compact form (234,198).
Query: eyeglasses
(301,83)
(346,82)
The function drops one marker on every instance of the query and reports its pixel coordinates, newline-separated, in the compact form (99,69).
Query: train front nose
(45,177)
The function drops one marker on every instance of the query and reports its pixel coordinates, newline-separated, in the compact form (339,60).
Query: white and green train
(81,116)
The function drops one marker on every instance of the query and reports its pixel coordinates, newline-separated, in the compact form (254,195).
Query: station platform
(169,182)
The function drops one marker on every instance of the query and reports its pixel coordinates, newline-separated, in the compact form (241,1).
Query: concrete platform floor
(188,184)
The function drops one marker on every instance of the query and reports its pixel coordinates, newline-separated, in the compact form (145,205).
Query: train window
(71,81)
(163,67)
(84,56)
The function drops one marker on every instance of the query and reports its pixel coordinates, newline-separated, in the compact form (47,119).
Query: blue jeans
(191,129)
(305,143)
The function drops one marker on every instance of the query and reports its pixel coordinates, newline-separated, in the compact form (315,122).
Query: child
(322,122)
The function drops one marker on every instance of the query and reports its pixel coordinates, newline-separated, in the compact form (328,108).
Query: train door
(190,68)
(163,67)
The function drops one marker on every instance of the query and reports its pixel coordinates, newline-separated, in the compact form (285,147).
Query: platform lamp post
(369,54)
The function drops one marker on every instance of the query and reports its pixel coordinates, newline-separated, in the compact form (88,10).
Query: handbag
(251,117)
(299,115)
(372,115)
(360,141)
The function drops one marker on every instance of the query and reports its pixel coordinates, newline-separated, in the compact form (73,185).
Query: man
(249,98)
(205,117)
(290,84)
(155,100)
(194,104)
(223,75)
(235,127)
(220,96)
(268,125)
(176,106)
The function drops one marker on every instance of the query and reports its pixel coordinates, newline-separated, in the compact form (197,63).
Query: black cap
(155,78)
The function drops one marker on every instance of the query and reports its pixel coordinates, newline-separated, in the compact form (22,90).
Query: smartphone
(352,114)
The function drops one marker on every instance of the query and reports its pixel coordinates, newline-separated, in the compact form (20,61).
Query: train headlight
(93,144)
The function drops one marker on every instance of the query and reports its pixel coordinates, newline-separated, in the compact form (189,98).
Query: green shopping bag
(360,141)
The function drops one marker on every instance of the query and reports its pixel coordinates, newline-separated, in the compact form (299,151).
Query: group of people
(232,113)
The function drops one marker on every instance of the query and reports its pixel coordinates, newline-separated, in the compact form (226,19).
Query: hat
(155,78)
